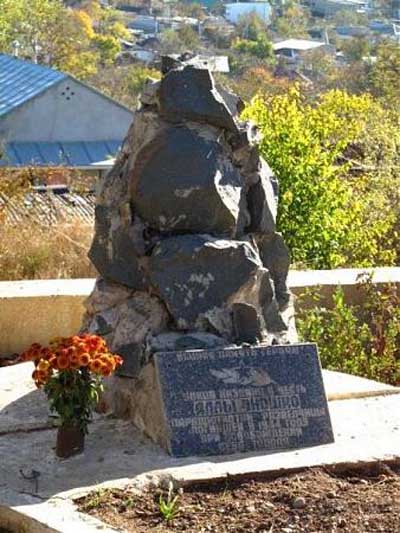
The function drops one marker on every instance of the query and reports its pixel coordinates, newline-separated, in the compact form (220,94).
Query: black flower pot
(70,441)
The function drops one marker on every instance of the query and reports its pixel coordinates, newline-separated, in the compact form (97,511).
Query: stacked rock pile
(185,239)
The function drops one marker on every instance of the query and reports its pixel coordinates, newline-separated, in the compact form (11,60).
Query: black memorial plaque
(243,399)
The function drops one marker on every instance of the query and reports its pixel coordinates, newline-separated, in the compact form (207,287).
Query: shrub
(358,339)
(337,162)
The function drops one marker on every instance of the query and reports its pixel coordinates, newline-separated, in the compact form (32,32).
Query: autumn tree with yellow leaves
(76,41)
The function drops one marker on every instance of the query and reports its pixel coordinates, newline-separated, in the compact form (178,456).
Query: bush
(358,339)
(337,162)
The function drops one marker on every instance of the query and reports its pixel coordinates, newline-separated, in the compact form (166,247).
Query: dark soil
(311,501)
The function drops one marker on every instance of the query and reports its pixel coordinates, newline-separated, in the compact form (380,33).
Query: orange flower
(95,366)
(80,348)
(43,365)
(62,362)
(64,352)
(53,361)
(118,360)
(84,359)
(74,358)
(105,371)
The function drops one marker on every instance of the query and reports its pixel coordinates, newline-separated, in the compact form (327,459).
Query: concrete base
(367,429)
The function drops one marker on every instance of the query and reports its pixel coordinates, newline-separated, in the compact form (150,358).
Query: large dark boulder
(276,258)
(113,250)
(181,182)
(197,275)
(190,94)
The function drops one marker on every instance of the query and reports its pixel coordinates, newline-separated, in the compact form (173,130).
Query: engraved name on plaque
(243,399)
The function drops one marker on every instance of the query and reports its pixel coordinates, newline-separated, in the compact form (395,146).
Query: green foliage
(72,40)
(73,394)
(108,47)
(251,27)
(385,73)
(261,47)
(326,213)
(292,22)
(356,49)
(189,37)
(125,83)
(358,339)
(169,507)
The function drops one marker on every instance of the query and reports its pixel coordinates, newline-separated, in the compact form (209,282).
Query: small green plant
(95,499)
(169,508)
(361,339)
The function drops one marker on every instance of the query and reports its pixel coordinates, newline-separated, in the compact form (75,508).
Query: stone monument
(185,240)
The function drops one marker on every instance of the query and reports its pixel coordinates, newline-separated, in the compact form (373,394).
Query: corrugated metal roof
(49,207)
(20,81)
(68,154)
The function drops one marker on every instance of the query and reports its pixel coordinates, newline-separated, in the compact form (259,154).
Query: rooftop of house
(97,155)
(49,205)
(20,81)
(297,44)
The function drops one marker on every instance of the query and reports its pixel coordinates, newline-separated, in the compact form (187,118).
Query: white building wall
(234,11)
(68,111)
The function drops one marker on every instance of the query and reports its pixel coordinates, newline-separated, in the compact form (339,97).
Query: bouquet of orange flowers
(70,371)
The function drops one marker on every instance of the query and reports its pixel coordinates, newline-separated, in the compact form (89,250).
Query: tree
(251,27)
(171,42)
(252,80)
(292,22)
(261,47)
(124,83)
(72,40)
(356,49)
(346,17)
(385,73)
(189,37)
(335,209)
(48,32)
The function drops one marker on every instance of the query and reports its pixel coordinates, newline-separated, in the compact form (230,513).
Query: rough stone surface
(190,94)
(106,294)
(113,251)
(126,326)
(170,342)
(191,274)
(181,182)
(185,241)
(262,203)
(275,256)
(246,323)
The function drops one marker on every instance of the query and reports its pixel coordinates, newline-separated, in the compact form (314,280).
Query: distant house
(48,118)
(328,8)
(233,11)
(295,48)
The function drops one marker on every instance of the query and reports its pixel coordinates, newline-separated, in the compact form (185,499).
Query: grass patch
(33,251)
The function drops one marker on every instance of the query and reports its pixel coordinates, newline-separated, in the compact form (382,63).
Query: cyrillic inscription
(246,399)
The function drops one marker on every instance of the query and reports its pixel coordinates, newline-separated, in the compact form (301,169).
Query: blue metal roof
(67,154)
(20,81)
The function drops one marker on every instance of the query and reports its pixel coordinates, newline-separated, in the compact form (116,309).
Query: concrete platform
(366,427)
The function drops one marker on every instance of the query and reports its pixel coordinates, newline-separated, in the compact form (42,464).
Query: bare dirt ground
(362,501)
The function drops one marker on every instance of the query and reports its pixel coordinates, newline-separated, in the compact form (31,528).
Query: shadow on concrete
(114,449)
